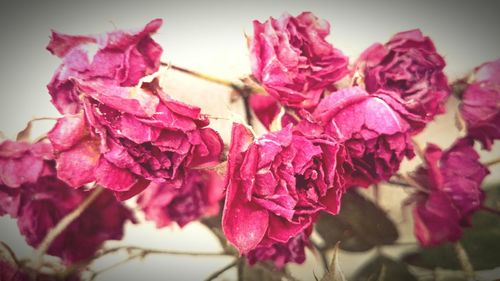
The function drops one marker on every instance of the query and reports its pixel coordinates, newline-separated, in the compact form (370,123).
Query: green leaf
(383,268)
(334,272)
(360,225)
(481,242)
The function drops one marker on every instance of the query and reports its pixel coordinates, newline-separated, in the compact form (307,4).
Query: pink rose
(277,184)
(21,163)
(40,201)
(452,182)
(480,107)
(126,137)
(293,61)
(122,59)
(183,201)
(281,253)
(409,67)
(375,135)
(10,272)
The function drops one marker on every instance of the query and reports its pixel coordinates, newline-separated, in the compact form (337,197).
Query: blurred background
(208,36)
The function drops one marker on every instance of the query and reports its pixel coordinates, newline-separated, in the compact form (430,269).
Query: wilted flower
(452,192)
(122,59)
(374,134)
(183,201)
(115,133)
(277,184)
(281,253)
(292,59)
(480,106)
(409,67)
(41,201)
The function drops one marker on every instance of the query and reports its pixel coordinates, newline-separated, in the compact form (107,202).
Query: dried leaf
(25,134)
(360,225)
(382,268)
(334,272)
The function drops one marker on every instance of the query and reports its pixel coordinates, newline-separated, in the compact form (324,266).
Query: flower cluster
(119,130)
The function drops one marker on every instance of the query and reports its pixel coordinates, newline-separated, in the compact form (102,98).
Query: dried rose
(375,136)
(292,59)
(122,59)
(40,201)
(183,201)
(452,182)
(277,184)
(123,142)
(480,107)
(280,253)
(409,67)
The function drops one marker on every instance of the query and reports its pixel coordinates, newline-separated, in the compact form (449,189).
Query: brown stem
(490,210)
(243,91)
(492,162)
(220,271)
(145,251)
(465,263)
(241,268)
(62,225)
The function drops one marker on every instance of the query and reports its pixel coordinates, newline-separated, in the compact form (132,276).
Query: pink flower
(293,61)
(281,253)
(126,137)
(409,67)
(9,272)
(122,59)
(375,135)
(277,184)
(452,180)
(21,163)
(183,201)
(42,200)
(480,107)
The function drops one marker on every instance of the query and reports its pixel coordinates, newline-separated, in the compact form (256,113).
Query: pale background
(209,37)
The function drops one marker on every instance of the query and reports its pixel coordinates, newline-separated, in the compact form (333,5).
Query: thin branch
(465,263)
(240,267)
(146,251)
(243,90)
(129,258)
(490,210)
(492,162)
(216,274)
(62,225)
(203,76)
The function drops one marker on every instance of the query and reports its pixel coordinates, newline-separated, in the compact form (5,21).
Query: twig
(129,258)
(145,251)
(216,274)
(492,162)
(243,91)
(490,210)
(241,267)
(465,263)
(62,225)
